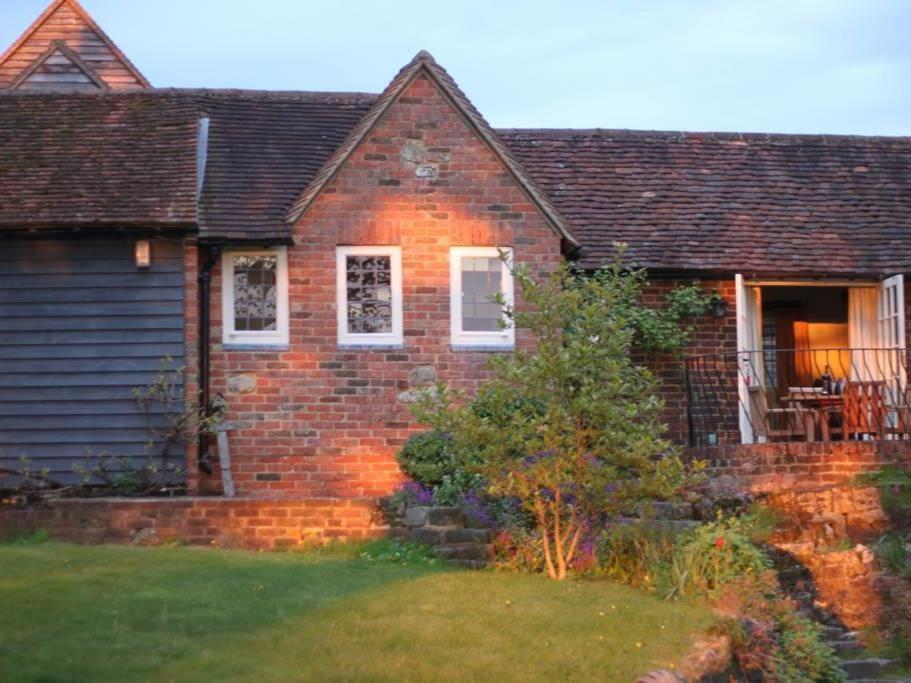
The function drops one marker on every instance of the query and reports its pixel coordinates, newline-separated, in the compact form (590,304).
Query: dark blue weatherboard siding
(80,328)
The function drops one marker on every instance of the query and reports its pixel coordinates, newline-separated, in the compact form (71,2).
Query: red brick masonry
(223,522)
(778,467)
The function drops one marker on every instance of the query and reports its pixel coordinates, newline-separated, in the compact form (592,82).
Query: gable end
(424,63)
(66,22)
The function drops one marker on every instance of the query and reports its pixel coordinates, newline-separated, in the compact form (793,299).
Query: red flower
(719,542)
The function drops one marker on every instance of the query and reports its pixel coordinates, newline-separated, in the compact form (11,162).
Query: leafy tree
(571,426)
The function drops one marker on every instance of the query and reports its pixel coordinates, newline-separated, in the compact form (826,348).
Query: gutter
(203,457)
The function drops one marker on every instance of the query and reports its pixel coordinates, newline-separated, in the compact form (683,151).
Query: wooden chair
(776,423)
(864,411)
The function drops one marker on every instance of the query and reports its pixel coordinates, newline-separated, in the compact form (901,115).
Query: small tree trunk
(541,514)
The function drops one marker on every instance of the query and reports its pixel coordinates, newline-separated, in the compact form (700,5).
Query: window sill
(484,348)
(371,347)
(246,346)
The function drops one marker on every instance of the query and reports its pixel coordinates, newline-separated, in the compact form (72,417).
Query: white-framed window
(477,274)
(255,297)
(369,295)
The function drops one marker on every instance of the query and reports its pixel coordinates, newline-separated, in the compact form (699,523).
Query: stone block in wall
(416,516)
(445,516)
(428,535)
(244,383)
(466,536)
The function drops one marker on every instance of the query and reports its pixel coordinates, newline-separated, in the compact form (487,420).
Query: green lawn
(70,613)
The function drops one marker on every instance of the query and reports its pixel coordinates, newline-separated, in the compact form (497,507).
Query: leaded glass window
(255,293)
(369,293)
(481,282)
(255,298)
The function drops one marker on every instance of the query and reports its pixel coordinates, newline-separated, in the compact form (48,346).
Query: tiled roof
(683,201)
(424,62)
(97,159)
(130,158)
(722,202)
(264,149)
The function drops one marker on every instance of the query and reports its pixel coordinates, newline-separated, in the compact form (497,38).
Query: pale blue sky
(796,66)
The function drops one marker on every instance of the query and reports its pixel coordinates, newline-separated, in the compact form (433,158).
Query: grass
(371,613)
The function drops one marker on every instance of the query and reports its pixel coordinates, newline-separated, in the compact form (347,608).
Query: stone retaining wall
(226,522)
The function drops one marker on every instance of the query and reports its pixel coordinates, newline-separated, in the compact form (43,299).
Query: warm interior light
(143,253)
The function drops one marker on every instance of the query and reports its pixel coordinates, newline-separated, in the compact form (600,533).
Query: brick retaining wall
(776,467)
(225,522)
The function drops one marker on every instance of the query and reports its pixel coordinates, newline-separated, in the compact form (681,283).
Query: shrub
(769,638)
(714,554)
(432,460)
(572,430)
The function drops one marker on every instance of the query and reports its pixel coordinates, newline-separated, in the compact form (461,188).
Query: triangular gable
(58,67)
(423,62)
(67,20)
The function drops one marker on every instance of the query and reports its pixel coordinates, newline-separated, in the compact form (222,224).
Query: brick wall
(776,467)
(322,421)
(191,351)
(224,522)
(710,335)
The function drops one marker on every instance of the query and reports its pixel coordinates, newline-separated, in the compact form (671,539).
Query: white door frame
(743,389)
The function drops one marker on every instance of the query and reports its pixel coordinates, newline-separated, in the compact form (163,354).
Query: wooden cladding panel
(80,328)
(66,25)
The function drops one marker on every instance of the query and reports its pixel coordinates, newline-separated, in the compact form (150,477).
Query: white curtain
(753,323)
(862,333)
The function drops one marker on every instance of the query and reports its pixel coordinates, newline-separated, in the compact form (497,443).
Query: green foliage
(662,329)
(38,537)
(397,552)
(714,554)
(770,638)
(894,484)
(892,552)
(635,555)
(802,653)
(571,429)
(432,460)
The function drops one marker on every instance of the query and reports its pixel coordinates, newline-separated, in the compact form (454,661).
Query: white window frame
(505,338)
(278,337)
(346,338)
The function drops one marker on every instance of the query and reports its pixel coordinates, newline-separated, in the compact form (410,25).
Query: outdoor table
(814,407)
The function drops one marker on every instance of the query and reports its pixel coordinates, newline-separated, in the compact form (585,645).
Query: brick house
(313,258)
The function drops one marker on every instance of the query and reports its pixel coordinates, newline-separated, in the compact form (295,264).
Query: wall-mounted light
(143,253)
(718,306)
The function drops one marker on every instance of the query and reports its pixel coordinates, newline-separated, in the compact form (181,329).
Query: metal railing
(798,395)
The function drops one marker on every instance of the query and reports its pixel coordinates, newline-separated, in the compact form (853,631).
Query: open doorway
(813,320)
(819,358)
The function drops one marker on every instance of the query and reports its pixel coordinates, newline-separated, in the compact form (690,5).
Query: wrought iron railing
(798,395)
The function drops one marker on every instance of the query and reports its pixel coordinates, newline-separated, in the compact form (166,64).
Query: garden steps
(865,669)
(797,583)
(445,531)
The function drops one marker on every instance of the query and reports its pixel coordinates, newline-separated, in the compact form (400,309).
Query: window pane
(369,287)
(255,293)
(481,278)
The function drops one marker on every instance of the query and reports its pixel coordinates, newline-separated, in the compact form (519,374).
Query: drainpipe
(205,300)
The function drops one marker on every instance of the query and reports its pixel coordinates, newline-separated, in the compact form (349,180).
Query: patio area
(788,395)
